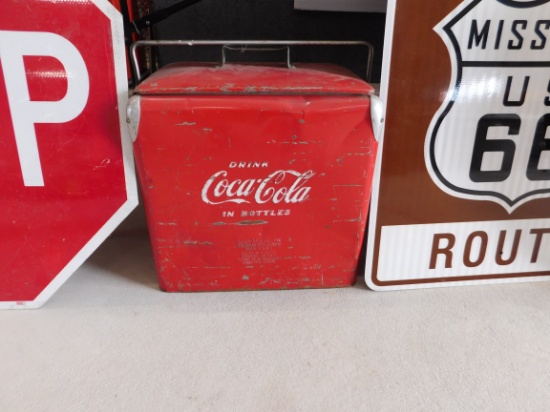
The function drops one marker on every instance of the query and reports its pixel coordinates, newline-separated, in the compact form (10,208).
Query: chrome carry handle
(246,48)
(244,45)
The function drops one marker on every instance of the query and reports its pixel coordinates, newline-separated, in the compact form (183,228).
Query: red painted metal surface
(62,163)
(208,78)
(255,177)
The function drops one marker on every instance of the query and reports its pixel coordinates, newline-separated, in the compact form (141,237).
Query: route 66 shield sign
(488,139)
(462,187)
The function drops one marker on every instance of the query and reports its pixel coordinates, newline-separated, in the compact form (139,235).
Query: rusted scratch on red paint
(242,223)
(253,222)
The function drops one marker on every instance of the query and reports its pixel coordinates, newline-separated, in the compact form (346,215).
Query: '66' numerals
(507,147)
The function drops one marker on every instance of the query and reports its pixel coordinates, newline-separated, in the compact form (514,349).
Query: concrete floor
(109,340)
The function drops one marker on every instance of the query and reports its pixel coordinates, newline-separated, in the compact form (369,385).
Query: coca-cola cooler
(254,176)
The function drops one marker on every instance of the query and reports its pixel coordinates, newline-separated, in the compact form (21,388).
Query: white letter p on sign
(14,45)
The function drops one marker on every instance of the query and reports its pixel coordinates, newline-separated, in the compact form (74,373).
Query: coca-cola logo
(282,186)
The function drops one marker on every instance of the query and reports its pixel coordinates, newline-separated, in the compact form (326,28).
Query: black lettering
(515,103)
(483,145)
(499,34)
(479,37)
(519,37)
(547,98)
(540,144)
(542,37)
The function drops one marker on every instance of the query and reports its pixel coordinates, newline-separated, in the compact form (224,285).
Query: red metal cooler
(254,176)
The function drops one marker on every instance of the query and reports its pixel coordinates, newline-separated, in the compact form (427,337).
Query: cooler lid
(209,78)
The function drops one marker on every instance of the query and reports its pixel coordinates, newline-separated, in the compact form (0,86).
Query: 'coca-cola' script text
(282,186)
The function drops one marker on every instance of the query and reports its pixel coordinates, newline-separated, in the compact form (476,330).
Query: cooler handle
(244,44)
(245,48)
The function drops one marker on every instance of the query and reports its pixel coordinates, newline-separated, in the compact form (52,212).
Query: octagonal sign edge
(67,175)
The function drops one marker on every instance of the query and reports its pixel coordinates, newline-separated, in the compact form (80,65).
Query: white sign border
(384,81)
(117,31)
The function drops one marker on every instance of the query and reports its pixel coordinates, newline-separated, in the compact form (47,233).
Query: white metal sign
(462,186)
(488,139)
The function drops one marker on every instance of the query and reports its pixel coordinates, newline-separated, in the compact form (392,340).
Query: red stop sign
(66,168)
